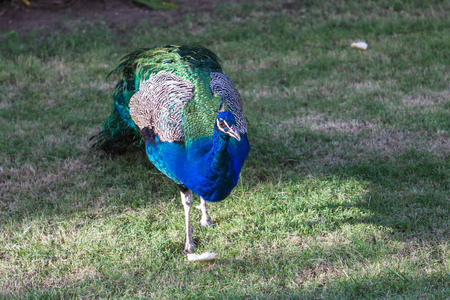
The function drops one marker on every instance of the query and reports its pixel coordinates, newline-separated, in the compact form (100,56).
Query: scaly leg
(206,220)
(186,199)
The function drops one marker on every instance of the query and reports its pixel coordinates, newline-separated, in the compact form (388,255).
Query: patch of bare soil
(50,14)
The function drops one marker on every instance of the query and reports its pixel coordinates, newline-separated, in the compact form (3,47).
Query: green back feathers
(200,58)
(139,65)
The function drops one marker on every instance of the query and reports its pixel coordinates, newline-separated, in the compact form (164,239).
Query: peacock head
(226,125)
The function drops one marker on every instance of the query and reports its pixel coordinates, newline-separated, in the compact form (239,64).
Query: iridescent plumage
(179,103)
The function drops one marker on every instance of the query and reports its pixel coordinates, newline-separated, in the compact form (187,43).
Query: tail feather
(118,131)
(115,136)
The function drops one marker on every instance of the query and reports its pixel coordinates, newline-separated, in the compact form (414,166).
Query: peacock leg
(206,220)
(186,199)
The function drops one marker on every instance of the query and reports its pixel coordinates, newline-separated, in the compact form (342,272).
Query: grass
(344,194)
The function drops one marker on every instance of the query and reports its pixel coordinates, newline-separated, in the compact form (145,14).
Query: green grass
(345,193)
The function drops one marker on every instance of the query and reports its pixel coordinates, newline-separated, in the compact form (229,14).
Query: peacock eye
(222,124)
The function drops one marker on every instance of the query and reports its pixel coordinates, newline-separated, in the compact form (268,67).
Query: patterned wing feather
(158,105)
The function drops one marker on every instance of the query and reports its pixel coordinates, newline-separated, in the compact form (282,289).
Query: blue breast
(209,175)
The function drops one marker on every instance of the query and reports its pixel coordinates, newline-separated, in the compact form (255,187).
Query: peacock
(186,113)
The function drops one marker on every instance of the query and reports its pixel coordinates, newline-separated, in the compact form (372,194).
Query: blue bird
(177,101)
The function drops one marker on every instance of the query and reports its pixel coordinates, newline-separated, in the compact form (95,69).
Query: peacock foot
(206,222)
(189,248)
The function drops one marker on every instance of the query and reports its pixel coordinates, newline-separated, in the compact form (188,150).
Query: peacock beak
(233,132)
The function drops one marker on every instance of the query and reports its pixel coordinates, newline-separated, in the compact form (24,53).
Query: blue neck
(219,153)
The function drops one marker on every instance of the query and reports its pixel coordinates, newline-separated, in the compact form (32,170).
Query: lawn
(345,193)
